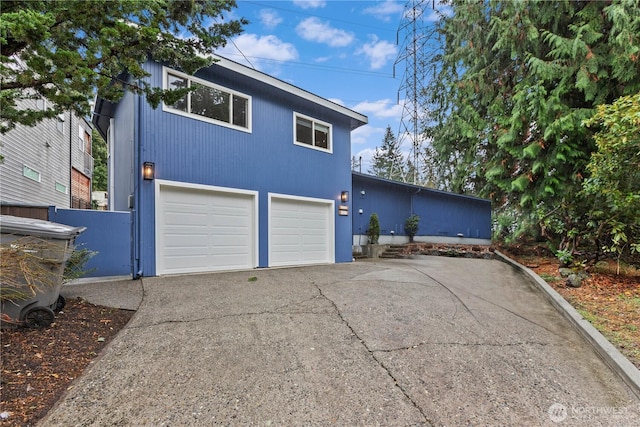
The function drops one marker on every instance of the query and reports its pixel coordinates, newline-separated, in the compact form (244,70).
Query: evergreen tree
(356,164)
(100,167)
(388,161)
(64,50)
(514,83)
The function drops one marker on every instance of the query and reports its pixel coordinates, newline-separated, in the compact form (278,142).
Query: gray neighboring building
(47,164)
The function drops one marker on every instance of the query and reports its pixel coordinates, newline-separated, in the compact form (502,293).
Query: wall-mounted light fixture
(344,196)
(148,170)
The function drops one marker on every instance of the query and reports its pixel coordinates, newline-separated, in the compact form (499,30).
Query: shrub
(374,229)
(411,226)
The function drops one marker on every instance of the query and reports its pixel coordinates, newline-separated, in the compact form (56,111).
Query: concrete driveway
(431,341)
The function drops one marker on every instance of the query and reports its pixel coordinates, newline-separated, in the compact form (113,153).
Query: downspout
(412,196)
(137,189)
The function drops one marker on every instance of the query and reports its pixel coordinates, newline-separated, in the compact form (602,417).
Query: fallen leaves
(611,302)
(39,365)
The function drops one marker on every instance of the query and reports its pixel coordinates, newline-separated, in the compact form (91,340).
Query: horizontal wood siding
(42,148)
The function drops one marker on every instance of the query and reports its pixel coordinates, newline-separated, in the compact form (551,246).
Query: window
(61,188)
(312,133)
(209,102)
(84,140)
(30,173)
(60,123)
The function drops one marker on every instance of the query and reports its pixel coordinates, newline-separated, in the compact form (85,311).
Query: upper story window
(84,140)
(209,102)
(312,133)
(60,123)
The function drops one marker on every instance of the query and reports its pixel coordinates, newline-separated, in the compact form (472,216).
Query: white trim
(168,109)
(265,78)
(39,179)
(58,187)
(159,183)
(81,132)
(331,235)
(313,122)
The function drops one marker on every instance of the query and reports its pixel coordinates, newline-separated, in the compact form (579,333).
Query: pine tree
(388,161)
(67,50)
(514,83)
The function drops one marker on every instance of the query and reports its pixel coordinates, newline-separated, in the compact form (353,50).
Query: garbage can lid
(37,227)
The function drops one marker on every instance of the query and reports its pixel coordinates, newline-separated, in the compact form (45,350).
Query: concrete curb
(611,356)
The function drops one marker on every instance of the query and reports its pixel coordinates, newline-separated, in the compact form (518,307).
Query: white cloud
(379,52)
(367,135)
(385,11)
(313,29)
(364,157)
(382,108)
(310,4)
(258,49)
(270,18)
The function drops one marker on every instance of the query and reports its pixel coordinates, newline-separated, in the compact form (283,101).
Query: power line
(314,66)
(414,38)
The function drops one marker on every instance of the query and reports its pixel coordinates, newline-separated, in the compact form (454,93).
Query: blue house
(445,217)
(245,171)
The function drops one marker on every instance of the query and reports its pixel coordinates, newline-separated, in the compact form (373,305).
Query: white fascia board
(260,76)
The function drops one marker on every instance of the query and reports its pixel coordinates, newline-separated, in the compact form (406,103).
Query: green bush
(374,229)
(411,226)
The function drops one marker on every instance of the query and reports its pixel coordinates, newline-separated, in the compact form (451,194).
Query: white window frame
(26,170)
(81,138)
(314,122)
(190,79)
(61,188)
(60,123)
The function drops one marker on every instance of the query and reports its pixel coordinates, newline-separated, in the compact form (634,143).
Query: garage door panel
(205,230)
(301,231)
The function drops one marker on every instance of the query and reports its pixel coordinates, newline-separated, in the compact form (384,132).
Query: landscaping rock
(565,271)
(574,280)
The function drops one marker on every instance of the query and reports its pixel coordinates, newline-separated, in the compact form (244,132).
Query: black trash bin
(34,254)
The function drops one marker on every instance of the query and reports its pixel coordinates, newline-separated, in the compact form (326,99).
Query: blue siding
(108,233)
(441,214)
(265,160)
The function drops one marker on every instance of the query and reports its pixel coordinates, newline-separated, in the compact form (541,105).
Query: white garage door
(301,231)
(201,228)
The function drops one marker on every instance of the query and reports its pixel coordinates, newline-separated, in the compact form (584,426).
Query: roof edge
(359,118)
(416,187)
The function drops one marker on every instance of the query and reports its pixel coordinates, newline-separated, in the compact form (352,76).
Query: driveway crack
(373,356)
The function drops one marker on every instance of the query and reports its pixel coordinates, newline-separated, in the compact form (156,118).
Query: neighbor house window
(61,188)
(312,133)
(60,123)
(84,139)
(208,102)
(30,173)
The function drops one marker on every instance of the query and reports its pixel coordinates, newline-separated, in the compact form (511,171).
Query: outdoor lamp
(344,196)
(148,170)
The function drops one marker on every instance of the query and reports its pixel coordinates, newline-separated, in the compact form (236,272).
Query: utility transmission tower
(413,37)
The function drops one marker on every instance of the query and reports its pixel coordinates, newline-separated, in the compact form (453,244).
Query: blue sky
(341,50)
